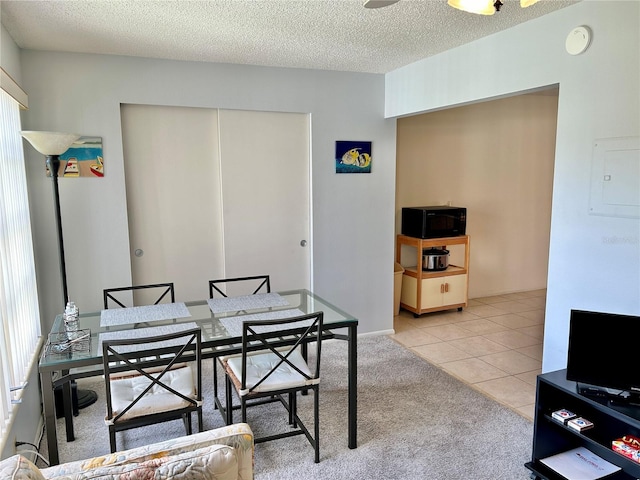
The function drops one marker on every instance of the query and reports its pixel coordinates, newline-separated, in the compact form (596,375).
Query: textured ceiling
(319,34)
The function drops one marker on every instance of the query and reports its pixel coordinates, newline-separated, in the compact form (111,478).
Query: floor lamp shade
(51,145)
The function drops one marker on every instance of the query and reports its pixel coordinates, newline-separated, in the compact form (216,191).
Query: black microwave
(434,222)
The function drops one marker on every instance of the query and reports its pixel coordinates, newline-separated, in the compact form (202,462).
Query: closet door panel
(265,164)
(172,170)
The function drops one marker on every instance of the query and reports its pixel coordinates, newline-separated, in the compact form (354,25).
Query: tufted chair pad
(125,390)
(260,363)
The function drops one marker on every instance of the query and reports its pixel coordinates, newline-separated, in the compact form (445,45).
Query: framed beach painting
(82,159)
(353,157)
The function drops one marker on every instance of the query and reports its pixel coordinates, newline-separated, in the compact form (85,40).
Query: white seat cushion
(158,399)
(260,363)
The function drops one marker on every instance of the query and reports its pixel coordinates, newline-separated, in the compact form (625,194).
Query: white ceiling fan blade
(379,3)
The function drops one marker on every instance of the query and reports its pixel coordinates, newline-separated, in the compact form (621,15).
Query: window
(19,311)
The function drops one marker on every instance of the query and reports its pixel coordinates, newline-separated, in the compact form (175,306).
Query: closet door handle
(442,288)
(446,288)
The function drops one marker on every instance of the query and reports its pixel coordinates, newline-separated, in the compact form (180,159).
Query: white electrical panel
(615,177)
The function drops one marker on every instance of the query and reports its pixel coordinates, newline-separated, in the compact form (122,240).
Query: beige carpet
(414,422)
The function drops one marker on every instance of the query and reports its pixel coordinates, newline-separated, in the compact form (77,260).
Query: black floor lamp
(52,145)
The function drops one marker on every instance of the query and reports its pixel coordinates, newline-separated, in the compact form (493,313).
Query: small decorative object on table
(70,317)
(61,342)
(72,339)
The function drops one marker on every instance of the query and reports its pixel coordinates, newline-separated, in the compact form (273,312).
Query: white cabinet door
(432,292)
(455,290)
(441,291)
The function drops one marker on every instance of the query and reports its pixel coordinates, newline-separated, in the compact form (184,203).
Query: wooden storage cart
(431,291)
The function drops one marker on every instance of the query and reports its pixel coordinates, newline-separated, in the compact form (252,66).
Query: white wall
(27,424)
(9,55)
(594,262)
(353,214)
(496,159)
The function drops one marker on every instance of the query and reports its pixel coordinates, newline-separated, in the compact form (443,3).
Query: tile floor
(494,345)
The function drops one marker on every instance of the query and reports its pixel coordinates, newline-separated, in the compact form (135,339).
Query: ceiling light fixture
(484,7)
(379,3)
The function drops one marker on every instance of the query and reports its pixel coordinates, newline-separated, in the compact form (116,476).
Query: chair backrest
(126,296)
(263,335)
(241,286)
(152,357)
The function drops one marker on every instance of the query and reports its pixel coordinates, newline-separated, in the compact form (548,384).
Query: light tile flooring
(494,345)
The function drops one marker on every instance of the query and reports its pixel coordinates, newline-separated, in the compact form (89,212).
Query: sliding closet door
(266,195)
(174,206)
(213,194)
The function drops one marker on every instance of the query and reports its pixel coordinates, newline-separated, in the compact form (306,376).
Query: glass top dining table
(62,360)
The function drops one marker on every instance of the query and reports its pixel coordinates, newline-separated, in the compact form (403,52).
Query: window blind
(19,310)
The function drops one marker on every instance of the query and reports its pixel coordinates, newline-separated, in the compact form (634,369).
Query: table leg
(353,386)
(67,401)
(49,407)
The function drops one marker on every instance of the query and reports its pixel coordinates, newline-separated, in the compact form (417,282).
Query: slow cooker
(434,259)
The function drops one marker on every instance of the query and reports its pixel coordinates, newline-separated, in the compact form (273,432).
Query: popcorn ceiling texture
(337,35)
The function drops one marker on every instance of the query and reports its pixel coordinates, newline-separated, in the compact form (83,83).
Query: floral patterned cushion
(221,454)
(216,462)
(19,468)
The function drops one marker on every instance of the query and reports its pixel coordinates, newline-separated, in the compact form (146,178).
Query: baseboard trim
(377,333)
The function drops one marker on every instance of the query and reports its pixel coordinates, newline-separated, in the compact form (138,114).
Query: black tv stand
(611,421)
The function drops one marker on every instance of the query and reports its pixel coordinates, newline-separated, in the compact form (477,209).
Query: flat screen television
(603,354)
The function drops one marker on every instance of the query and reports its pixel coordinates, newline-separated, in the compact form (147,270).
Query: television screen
(603,349)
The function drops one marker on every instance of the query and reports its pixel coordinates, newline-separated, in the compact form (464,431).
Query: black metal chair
(151,380)
(250,285)
(242,286)
(267,369)
(125,296)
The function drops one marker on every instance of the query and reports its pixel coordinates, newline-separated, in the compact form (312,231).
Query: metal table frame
(60,369)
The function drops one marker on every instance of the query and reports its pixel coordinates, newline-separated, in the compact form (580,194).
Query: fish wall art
(353,157)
